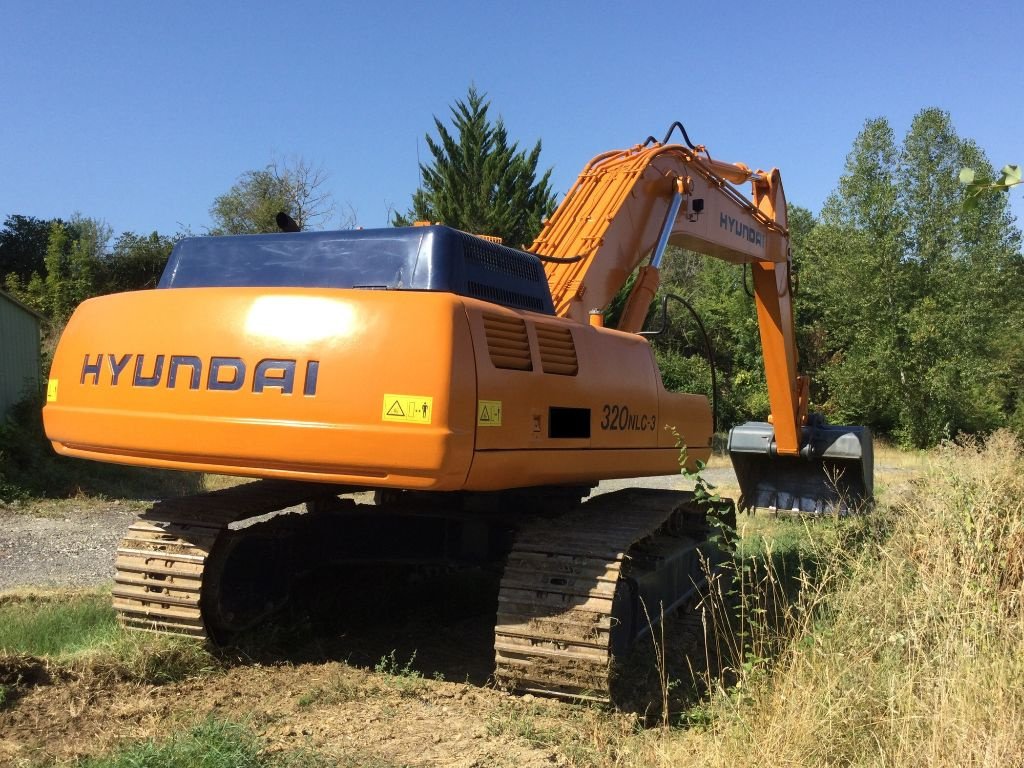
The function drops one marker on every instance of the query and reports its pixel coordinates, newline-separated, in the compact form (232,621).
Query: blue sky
(142,113)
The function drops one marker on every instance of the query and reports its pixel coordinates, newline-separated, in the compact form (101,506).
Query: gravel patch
(74,550)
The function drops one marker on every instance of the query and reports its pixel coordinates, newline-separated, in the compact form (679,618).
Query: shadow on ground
(441,624)
(442,621)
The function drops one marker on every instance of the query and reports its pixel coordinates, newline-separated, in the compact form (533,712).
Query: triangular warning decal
(407,409)
(488,413)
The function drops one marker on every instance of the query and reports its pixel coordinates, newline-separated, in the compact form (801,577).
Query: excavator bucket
(834,473)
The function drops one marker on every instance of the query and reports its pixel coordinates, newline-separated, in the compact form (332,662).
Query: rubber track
(556,600)
(158,584)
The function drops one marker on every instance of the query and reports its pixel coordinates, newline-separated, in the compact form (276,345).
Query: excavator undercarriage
(577,591)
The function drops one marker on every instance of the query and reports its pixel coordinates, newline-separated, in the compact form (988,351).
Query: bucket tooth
(834,473)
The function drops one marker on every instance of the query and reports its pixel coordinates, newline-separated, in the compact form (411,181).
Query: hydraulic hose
(708,350)
(559,259)
(668,135)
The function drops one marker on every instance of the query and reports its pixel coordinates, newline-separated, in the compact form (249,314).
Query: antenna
(419,168)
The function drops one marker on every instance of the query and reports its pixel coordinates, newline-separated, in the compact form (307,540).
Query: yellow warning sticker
(51,391)
(410,409)
(488,413)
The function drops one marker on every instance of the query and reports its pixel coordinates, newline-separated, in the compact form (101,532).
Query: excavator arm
(628,205)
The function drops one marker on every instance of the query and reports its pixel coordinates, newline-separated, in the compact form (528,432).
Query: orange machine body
(439,389)
(403,389)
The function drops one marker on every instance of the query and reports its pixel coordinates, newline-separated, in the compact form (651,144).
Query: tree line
(909,283)
(53,265)
(909,301)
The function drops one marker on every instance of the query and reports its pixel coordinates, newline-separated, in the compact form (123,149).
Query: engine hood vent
(507,342)
(557,350)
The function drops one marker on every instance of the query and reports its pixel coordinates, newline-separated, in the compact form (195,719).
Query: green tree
(136,262)
(78,263)
(854,290)
(56,293)
(23,241)
(918,296)
(73,264)
(251,206)
(477,181)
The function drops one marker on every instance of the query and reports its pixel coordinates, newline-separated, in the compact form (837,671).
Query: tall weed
(904,647)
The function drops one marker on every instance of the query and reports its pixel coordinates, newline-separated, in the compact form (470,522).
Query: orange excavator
(473,387)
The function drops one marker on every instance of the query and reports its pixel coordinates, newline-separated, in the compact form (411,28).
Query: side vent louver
(557,350)
(507,342)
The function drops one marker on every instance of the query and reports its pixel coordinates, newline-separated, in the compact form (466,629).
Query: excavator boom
(632,203)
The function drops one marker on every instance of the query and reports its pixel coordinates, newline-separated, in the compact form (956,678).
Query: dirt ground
(71,542)
(332,708)
(67,543)
(314,687)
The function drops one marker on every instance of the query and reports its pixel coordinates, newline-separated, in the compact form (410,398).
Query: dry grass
(889,456)
(896,469)
(906,648)
(75,506)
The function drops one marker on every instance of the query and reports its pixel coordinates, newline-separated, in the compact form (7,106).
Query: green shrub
(221,744)
(29,467)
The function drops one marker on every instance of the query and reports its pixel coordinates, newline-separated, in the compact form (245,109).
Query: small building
(19,351)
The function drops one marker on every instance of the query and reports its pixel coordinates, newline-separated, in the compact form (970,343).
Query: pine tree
(478,182)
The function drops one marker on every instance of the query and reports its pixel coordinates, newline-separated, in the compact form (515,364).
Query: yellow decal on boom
(410,409)
(488,413)
(51,391)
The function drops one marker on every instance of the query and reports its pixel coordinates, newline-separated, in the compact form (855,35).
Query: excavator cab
(834,473)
